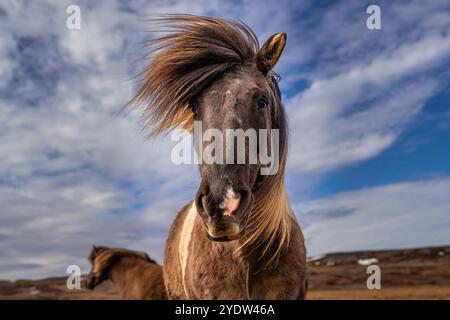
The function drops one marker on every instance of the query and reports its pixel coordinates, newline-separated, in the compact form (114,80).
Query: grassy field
(405,274)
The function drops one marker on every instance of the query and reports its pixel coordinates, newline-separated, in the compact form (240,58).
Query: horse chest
(217,275)
(198,268)
(209,270)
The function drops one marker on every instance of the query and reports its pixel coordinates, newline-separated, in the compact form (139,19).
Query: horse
(238,238)
(134,274)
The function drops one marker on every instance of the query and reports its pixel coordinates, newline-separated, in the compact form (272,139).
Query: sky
(369,118)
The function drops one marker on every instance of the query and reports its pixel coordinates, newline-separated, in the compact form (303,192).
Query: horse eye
(262,104)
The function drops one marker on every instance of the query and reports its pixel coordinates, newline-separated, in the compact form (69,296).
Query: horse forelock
(184,60)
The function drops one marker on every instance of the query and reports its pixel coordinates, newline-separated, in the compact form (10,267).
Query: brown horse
(134,274)
(239,238)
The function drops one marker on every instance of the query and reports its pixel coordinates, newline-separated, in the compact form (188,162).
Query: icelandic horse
(238,238)
(134,275)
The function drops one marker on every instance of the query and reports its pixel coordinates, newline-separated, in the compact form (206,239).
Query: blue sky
(369,114)
(421,152)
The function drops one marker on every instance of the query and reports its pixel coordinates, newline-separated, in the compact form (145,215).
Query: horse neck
(120,274)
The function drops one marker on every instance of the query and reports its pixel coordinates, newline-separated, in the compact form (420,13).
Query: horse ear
(270,53)
(92,254)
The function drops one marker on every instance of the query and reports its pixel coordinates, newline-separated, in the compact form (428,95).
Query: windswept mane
(106,257)
(190,53)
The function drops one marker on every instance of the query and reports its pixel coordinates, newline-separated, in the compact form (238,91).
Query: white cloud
(6,66)
(330,132)
(410,214)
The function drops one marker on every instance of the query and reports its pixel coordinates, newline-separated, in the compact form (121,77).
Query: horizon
(309,260)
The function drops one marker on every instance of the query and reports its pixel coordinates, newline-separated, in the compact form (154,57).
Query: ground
(405,274)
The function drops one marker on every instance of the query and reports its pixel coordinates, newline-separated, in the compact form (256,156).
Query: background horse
(133,273)
(239,238)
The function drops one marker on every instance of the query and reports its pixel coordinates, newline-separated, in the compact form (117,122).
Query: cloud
(402,215)
(329,136)
(361,109)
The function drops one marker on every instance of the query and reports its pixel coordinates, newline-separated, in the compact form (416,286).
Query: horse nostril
(199,202)
(219,203)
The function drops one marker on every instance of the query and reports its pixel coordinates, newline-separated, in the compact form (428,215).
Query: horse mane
(106,257)
(192,52)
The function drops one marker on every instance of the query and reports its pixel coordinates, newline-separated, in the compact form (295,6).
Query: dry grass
(405,274)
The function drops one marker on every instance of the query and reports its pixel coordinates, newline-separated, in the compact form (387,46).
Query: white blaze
(231,201)
(185,239)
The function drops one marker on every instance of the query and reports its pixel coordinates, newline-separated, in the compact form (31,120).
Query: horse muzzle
(91,281)
(226,229)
